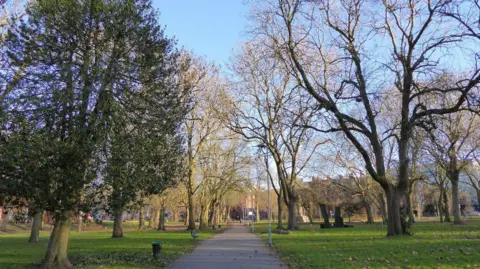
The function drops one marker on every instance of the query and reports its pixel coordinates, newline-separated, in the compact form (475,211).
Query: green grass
(134,224)
(95,249)
(433,245)
(125,225)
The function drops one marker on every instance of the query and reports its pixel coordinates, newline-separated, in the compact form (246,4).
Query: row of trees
(92,105)
(98,108)
(372,73)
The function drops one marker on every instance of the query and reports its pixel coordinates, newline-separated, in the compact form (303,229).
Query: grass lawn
(92,249)
(433,245)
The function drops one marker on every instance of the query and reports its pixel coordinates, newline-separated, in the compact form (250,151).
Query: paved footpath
(232,249)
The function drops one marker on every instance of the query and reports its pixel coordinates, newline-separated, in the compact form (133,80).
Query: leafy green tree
(139,166)
(79,69)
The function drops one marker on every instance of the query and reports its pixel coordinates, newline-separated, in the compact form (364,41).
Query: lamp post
(268,195)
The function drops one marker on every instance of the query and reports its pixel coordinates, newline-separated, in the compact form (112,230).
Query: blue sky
(210,28)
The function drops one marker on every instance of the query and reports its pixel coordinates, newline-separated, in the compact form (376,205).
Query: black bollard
(156,248)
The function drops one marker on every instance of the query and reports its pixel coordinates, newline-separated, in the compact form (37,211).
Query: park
(239,134)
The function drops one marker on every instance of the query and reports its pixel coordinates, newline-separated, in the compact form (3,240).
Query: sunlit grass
(433,245)
(92,249)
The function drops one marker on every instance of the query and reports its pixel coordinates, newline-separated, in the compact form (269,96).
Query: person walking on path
(234,248)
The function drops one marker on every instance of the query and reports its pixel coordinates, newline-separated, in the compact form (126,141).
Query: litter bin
(156,247)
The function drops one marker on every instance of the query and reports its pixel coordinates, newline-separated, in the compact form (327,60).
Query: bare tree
(348,54)
(474,177)
(200,123)
(453,144)
(269,109)
(357,183)
(223,167)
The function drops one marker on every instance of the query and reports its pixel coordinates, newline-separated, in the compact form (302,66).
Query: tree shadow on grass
(92,249)
(431,246)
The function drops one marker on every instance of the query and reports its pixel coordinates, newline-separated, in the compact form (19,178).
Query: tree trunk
(56,255)
(455,201)
(279,217)
(309,210)
(257,210)
(368,209)
(383,207)
(211,214)
(175,216)
(325,216)
(151,220)
(35,231)
(79,222)
(411,216)
(338,217)
(220,214)
(4,219)
(191,213)
(419,208)
(292,214)
(161,223)
(478,196)
(42,222)
(156,215)
(229,218)
(440,204)
(445,208)
(141,218)
(203,216)
(117,223)
(394,224)
(186,217)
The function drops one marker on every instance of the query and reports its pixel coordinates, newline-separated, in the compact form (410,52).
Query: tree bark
(279,217)
(368,209)
(445,208)
(440,205)
(186,218)
(117,223)
(175,216)
(292,214)
(156,216)
(229,218)
(141,217)
(478,196)
(42,223)
(35,231)
(219,219)
(161,223)
(257,209)
(383,207)
(411,216)
(325,216)
(212,215)
(338,217)
(309,209)
(191,213)
(56,256)
(4,219)
(151,219)
(203,216)
(455,200)
(394,223)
